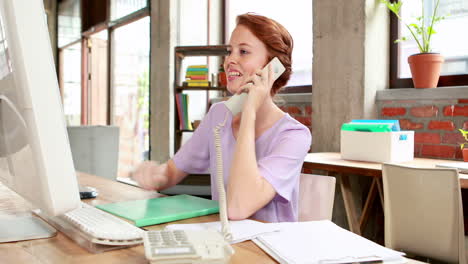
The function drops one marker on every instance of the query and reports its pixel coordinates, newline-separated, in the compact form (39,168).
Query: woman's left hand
(258,86)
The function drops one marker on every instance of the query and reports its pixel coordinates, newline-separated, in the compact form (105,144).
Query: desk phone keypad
(189,246)
(170,243)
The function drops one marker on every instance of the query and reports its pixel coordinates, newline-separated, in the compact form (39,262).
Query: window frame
(110,26)
(395,82)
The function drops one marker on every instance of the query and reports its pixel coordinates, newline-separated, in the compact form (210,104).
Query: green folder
(161,210)
(367,127)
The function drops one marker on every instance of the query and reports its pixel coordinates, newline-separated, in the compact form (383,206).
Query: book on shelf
(198,66)
(189,70)
(197,81)
(195,84)
(187,123)
(182,101)
(196,77)
(196,72)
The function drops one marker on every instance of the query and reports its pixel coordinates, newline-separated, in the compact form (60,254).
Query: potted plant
(462,146)
(425,66)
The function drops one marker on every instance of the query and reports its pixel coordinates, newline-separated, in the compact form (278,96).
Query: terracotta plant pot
(222,79)
(465,154)
(425,69)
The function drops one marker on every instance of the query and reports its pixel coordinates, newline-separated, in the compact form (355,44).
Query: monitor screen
(35,156)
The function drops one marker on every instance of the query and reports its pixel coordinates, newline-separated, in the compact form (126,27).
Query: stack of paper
(322,242)
(240,230)
(461,166)
(304,242)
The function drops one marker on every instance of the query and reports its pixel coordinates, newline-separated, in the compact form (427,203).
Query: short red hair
(277,40)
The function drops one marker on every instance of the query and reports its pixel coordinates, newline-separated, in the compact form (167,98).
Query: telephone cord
(225,229)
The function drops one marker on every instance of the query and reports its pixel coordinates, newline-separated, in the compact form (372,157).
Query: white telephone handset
(236,102)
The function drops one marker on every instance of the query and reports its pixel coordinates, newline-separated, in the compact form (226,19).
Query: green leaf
(464,133)
(438,19)
(394,7)
(401,39)
(417,28)
(430,31)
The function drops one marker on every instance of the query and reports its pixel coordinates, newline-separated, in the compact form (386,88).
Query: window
(296,18)
(101,87)
(449,41)
(69,43)
(97,84)
(130,92)
(69,22)
(122,8)
(70,83)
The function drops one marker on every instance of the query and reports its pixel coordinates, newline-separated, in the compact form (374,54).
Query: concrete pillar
(164,21)
(350,63)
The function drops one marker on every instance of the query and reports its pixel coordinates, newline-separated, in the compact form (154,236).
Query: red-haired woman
(263,148)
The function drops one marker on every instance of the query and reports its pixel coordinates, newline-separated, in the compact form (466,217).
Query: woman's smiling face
(247,54)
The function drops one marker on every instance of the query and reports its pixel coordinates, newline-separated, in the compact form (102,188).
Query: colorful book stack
(182,101)
(197,75)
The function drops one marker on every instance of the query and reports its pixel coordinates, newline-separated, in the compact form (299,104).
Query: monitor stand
(27,227)
(17,227)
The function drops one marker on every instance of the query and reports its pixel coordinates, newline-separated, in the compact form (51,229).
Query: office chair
(316,197)
(95,149)
(423,212)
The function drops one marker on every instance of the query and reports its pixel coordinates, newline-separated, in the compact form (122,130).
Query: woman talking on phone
(263,148)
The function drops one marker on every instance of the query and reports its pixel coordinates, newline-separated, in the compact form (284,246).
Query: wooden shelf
(214,50)
(180,131)
(200,88)
(180,53)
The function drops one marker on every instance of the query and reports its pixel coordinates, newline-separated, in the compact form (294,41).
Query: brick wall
(435,122)
(302,112)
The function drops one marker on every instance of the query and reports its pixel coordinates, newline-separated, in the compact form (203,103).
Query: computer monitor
(35,156)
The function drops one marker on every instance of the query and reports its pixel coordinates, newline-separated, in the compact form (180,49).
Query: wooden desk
(332,163)
(61,250)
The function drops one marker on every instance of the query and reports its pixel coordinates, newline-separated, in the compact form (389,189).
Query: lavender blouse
(280,152)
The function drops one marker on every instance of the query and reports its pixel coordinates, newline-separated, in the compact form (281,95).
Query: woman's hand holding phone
(264,78)
(258,86)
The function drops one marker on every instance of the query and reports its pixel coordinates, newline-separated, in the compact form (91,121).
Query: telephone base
(188,247)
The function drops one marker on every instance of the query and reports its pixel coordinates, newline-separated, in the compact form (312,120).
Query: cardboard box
(397,146)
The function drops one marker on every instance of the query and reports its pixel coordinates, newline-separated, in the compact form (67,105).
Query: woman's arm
(247,190)
(152,176)
(192,157)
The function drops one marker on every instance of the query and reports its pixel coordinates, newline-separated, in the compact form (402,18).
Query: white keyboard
(100,227)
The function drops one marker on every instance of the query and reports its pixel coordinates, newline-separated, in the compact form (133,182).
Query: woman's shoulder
(296,134)
(288,123)
(217,107)
(217,112)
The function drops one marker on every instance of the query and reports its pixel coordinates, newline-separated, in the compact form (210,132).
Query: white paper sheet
(461,166)
(323,242)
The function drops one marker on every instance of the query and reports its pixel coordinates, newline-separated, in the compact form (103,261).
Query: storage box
(395,146)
